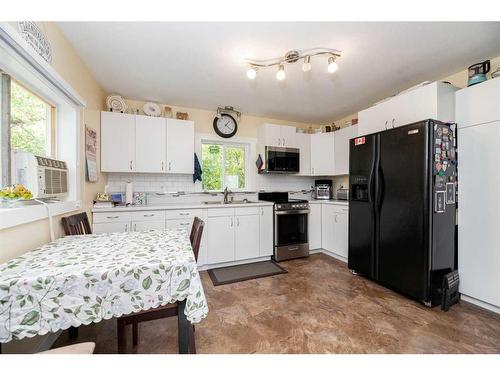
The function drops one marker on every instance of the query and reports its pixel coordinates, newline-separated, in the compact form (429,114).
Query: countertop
(179,206)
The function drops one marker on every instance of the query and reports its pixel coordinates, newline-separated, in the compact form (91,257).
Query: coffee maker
(323,189)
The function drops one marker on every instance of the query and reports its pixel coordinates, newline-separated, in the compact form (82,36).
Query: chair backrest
(195,237)
(76,224)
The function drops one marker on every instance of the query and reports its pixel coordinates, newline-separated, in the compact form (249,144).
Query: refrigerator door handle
(380,190)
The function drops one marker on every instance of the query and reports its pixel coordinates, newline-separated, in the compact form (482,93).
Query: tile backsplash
(146,182)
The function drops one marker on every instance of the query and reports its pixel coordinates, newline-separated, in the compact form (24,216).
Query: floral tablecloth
(84,279)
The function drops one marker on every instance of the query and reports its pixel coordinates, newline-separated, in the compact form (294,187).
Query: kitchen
(280,202)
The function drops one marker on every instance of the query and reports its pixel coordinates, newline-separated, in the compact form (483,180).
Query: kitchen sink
(242,201)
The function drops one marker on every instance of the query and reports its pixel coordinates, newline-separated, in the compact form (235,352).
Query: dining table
(84,279)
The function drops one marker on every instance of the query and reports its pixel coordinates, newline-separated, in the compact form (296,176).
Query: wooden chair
(161,311)
(76,224)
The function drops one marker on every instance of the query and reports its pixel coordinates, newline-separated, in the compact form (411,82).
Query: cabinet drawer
(183,214)
(179,223)
(110,217)
(148,215)
(247,211)
(340,209)
(215,212)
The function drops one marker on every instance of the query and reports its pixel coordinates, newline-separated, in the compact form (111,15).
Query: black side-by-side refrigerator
(402,208)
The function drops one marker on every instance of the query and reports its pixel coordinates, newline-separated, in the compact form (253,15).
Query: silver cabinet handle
(335,218)
(313,170)
(386,124)
(261,211)
(135,227)
(169,166)
(283,141)
(393,123)
(238,221)
(126,227)
(184,224)
(150,215)
(232,222)
(130,164)
(162,165)
(184,214)
(111,217)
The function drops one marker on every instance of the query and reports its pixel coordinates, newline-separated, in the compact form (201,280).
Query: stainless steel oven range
(291,238)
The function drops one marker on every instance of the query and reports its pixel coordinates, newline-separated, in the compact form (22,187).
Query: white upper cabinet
(277,135)
(303,142)
(322,154)
(478,104)
(341,140)
(180,146)
(150,145)
(433,101)
(117,142)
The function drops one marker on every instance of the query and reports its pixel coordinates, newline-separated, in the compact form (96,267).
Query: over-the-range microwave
(281,160)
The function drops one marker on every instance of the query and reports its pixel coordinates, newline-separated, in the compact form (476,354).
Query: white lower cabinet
(220,237)
(314,226)
(111,227)
(334,229)
(246,238)
(138,226)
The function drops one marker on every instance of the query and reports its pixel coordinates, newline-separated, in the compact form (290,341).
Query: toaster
(343,194)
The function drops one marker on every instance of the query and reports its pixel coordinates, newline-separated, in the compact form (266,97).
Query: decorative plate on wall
(116,103)
(152,109)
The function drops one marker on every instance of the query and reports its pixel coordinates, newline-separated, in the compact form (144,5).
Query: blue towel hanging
(197,169)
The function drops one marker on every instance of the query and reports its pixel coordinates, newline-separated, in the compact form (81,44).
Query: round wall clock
(225,126)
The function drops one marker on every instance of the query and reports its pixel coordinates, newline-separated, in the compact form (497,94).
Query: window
(224,165)
(30,122)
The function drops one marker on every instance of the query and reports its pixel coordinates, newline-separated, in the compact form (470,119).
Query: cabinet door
(478,104)
(303,143)
(180,223)
(314,226)
(180,146)
(220,239)
(246,237)
(288,134)
(415,105)
(271,135)
(327,234)
(266,231)
(150,144)
(479,212)
(110,227)
(341,155)
(117,142)
(138,226)
(322,154)
(374,119)
(340,234)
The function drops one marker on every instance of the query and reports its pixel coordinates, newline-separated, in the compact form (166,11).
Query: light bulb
(306,66)
(280,74)
(332,65)
(252,73)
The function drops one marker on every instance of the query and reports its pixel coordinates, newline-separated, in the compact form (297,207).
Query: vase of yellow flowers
(10,196)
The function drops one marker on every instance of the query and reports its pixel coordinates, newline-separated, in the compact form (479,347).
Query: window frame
(250,145)
(19,60)
(225,144)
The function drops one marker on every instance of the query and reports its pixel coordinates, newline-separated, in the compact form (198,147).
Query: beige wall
(203,120)
(458,79)
(15,241)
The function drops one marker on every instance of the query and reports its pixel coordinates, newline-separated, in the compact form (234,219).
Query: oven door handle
(291,212)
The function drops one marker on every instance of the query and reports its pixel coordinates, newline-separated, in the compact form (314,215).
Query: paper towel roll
(129,192)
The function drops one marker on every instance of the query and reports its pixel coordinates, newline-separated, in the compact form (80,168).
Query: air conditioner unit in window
(44,177)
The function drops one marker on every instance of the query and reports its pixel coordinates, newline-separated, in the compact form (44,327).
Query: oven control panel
(291,206)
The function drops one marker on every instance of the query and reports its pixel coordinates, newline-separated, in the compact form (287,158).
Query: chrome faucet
(226,193)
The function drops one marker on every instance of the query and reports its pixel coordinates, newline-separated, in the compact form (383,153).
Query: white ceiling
(200,64)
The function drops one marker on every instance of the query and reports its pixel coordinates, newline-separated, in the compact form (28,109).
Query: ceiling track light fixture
(292,57)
